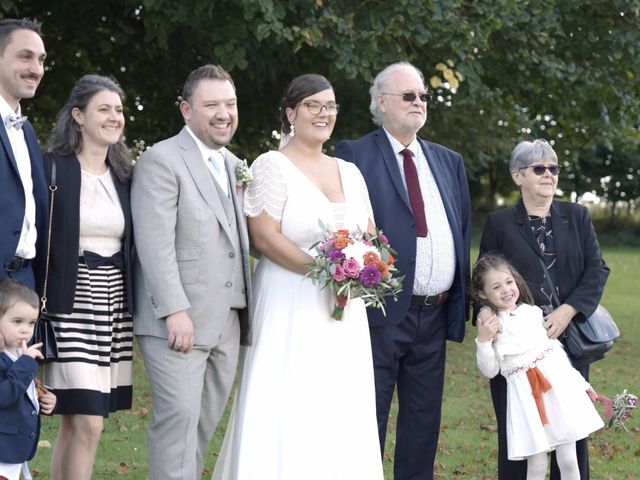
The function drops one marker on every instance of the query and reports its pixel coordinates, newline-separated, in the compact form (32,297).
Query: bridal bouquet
(355,265)
(619,409)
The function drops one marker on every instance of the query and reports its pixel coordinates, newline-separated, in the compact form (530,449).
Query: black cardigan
(65,234)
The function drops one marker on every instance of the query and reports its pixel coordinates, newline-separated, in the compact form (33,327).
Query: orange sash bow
(539,385)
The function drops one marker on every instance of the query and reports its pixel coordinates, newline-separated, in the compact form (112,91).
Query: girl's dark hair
(300,88)
(497,261)
(66,138)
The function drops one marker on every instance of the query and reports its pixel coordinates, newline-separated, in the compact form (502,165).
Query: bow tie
(15,121)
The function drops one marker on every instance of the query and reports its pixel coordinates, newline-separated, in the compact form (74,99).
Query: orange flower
(341,242)
(370,257)
(384,269)
(342,233)
(391,260)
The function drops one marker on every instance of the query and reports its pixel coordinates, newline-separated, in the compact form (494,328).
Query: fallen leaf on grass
(489,428)
(44,444)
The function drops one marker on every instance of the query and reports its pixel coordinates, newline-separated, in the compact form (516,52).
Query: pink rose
(339,275)
(351,267)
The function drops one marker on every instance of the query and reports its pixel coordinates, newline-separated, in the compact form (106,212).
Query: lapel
(560,226)
(520,214)
(7,148)
(441,177)
(7,363)
(237,195)
(123,195)
(202,178)
(390,161)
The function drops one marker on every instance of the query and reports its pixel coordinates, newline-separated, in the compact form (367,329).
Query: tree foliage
(565,70)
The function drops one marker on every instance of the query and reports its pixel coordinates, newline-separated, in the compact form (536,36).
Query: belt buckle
(431,300)
(15,264)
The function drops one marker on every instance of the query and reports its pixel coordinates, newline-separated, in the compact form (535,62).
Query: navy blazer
(581,270)
(12,198)
(19,419)
(65,234)
(376,160)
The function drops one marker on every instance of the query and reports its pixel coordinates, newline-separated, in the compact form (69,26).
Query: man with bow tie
(23,189)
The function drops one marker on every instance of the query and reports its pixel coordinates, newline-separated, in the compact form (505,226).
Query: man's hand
(180,330)
(558,320)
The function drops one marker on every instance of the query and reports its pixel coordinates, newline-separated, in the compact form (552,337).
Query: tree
(503,70)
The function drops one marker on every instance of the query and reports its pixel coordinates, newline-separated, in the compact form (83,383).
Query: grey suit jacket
(183,242)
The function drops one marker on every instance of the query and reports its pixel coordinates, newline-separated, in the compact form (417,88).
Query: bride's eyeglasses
(314,108)
(539,169)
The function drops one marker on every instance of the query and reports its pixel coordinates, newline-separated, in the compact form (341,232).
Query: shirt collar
(205,150)
(6,110)
(397,146)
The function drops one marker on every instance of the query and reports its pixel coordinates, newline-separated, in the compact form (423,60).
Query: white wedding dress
(305,406)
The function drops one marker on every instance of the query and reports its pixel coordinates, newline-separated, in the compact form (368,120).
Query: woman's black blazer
(581,272)
(65,234)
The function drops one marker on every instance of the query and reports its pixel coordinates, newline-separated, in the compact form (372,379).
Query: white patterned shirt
(435,253)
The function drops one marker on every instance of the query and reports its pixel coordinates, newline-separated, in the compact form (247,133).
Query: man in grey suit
(192,287)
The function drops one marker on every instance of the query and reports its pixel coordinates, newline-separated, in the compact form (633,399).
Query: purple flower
(351,267)
(370,276)
(339,275)
(335,255)
(383,238)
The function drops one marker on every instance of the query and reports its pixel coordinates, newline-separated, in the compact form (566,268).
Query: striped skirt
(94,371)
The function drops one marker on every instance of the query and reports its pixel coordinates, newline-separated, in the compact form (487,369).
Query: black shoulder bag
(585,338)
(44,332)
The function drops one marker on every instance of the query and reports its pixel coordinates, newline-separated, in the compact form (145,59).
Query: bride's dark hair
(300,87)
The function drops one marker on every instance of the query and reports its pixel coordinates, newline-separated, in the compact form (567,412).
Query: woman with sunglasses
(305,407)
(560,234)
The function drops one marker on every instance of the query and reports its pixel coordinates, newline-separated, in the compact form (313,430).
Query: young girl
(548,402)
(19,402)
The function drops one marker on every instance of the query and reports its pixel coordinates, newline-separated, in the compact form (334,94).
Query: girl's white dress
(523,343)
(305,406)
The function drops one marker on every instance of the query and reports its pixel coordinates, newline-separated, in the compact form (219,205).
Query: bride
(305,406)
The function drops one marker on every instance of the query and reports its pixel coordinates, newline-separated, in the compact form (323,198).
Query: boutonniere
(243,176)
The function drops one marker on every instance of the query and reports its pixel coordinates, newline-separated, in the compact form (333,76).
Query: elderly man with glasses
(420,200)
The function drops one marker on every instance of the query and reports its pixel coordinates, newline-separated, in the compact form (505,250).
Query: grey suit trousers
(190,391)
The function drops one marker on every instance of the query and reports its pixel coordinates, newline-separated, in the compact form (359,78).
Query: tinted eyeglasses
(314,108)
(539,169)
(411,96)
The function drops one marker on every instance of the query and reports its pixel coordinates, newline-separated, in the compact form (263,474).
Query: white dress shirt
(435,253)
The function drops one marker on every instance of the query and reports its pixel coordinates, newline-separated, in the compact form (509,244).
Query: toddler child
(19,401)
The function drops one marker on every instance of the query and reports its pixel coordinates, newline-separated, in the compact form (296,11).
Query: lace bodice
(284,193)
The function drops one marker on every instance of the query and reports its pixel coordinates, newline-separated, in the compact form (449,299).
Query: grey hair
(527,153)
(379,84)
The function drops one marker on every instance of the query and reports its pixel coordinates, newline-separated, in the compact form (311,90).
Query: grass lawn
(467,448)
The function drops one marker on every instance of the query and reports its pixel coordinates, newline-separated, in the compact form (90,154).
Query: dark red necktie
(415,194)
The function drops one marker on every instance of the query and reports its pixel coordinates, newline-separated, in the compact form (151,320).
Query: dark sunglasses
(411,96)
(539,169)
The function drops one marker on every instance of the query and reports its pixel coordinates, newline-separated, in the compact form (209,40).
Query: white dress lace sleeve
(268,190)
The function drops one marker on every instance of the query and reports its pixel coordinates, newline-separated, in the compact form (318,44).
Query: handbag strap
(52,189)
(547,277)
